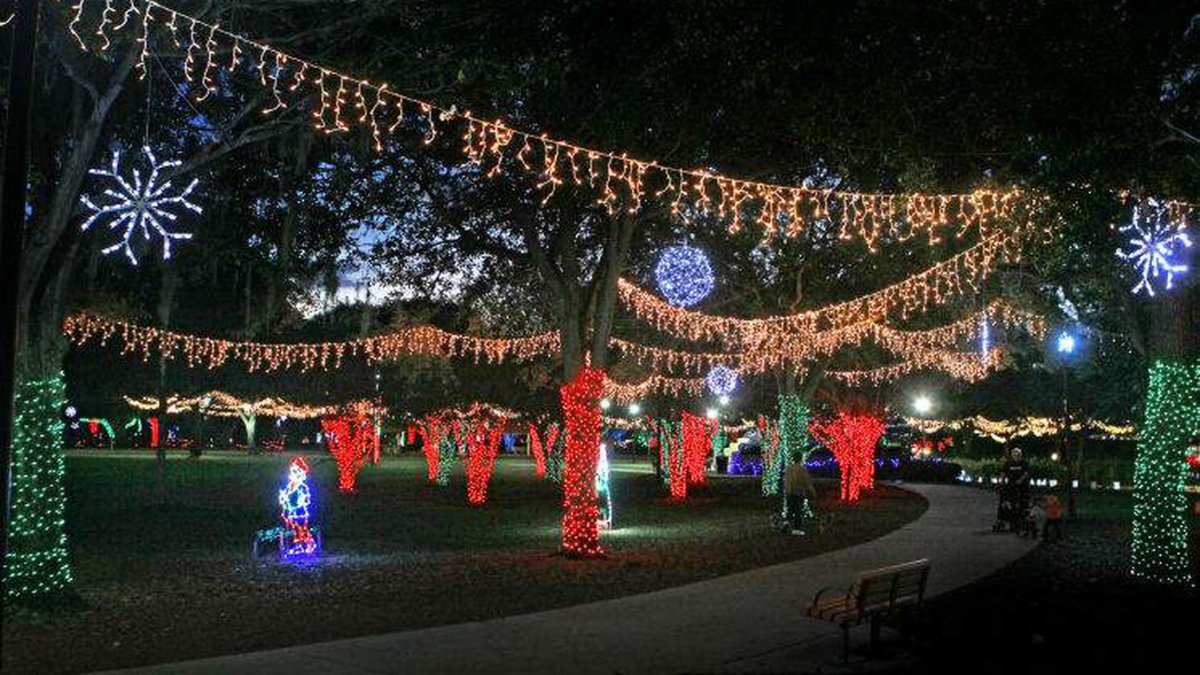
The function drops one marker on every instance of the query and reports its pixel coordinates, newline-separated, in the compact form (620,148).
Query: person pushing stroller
(1014,493)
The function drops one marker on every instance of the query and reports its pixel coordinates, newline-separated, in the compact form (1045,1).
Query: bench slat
(876,591)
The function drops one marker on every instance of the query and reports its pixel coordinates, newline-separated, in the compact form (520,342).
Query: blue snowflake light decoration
(722,380)
(684,276)
(139,206)
(1154,242)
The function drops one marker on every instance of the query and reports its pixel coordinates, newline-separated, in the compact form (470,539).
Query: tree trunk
(249,296)
(612,264)
(1160,525)
(45,236)
(287,233)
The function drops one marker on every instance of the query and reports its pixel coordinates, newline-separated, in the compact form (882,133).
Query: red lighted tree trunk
(581,415)
(483,443)
(350,439)
(432,432)
(696,444)
(851,439)
(538,450)
(677,465)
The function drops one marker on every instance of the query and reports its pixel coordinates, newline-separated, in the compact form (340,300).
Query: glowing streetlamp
(922,404)
(605,404)
(635,409)
(1065,343)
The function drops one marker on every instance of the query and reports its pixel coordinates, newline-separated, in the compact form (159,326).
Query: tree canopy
(1071,100)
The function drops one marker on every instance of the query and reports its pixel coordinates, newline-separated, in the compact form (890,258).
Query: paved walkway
(743,622)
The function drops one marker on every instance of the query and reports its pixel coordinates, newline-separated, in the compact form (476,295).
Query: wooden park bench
(874,596)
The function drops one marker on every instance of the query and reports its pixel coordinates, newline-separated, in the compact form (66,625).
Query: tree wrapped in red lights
(432,432)
(672,464)
(483,443)
(539,451)
(851,438)
(697,441)
(581,414)
(350,439)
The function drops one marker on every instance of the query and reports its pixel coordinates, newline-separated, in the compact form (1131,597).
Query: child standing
(1053,510)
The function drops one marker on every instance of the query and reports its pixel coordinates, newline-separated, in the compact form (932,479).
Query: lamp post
(1065,344)
(922,404)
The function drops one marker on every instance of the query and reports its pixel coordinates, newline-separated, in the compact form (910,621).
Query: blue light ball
(684,275)
(722,380)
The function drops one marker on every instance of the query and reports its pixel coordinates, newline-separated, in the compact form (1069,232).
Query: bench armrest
(817,598)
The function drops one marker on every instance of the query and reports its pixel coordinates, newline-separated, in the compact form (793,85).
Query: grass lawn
(175,581)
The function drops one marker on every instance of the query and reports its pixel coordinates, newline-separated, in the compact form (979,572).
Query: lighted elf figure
(603,495)
(295,499)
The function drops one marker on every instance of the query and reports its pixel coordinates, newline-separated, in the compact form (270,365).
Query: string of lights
(676,387)
(476,410)
(1003,430)
(965,366)
(222,404)
(958,275)
(621,182)
(780,350)
(255,356)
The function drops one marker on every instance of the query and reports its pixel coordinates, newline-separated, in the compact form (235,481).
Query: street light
(923,404)
(1066,343)
(712,413)
(723,400)
(635,409)
(605,404)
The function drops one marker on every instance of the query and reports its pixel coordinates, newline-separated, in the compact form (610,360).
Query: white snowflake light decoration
(1153,244)
(141,206)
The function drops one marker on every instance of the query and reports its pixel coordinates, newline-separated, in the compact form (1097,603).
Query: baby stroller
(1012,513)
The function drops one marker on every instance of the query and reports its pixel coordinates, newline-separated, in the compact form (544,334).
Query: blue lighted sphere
(722,380)
(684,275)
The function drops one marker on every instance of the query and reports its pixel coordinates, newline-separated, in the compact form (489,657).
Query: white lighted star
(141,206)
(1153,245)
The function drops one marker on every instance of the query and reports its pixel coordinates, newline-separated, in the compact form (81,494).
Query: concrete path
(743,622)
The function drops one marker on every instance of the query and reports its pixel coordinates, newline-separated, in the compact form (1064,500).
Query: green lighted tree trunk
(1160,527)
(793,424)
(37,546)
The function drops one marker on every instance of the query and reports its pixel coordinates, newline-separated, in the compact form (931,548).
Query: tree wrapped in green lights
(793,425)
(37,565)
(1160,527)
(447,456)
(554,456)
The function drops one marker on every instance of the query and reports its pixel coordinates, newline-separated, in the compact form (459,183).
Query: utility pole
(12,225)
